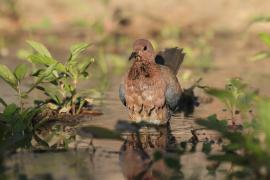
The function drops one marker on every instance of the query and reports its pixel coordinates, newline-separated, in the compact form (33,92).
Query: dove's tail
(171,57)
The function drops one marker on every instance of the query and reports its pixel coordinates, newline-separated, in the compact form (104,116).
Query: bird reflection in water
(150,153)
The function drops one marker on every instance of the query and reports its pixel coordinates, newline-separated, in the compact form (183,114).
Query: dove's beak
(133,55)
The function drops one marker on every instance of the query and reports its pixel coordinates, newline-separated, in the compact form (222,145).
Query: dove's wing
(171,57)
(122,93)
(173,89)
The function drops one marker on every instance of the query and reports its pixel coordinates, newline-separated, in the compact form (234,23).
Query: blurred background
(221,38)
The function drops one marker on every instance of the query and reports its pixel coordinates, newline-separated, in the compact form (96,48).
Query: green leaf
(83,66)
(47,72)
(8,76)
(223,95)
(213,123)
(29,113)
(20,71)
(81,104)
(172,162)
(265,37)
(42,76)
(45,60)
(76,49)
(10,110)
(74,72)
(53,94)
(207,147)
(40,48)
(260,56)
(40,59)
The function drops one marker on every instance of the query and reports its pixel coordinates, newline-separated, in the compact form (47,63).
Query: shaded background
(220,38)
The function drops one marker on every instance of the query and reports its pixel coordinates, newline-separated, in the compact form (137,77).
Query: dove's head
(142,50)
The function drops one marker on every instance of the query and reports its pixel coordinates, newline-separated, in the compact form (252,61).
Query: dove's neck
(142,69)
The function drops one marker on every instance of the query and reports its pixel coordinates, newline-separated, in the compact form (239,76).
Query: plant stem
(62,90)
(20,95)
(74,97)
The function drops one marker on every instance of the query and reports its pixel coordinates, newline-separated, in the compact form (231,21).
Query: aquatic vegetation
(61,87)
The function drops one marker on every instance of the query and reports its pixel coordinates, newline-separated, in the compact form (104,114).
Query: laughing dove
(150,89)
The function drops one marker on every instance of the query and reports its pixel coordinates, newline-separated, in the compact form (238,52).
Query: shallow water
(106,158)
(105,162)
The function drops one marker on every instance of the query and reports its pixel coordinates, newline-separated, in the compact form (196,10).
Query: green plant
(236,96)
(248,150)
(17,121)
(62,86)
(265,38)
(15,78)
(16,127)
(58,81)
(260,18)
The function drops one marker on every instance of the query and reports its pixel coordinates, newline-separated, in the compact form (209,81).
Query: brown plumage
(150,90)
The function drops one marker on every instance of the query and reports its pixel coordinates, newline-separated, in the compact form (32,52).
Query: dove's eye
(145,48)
